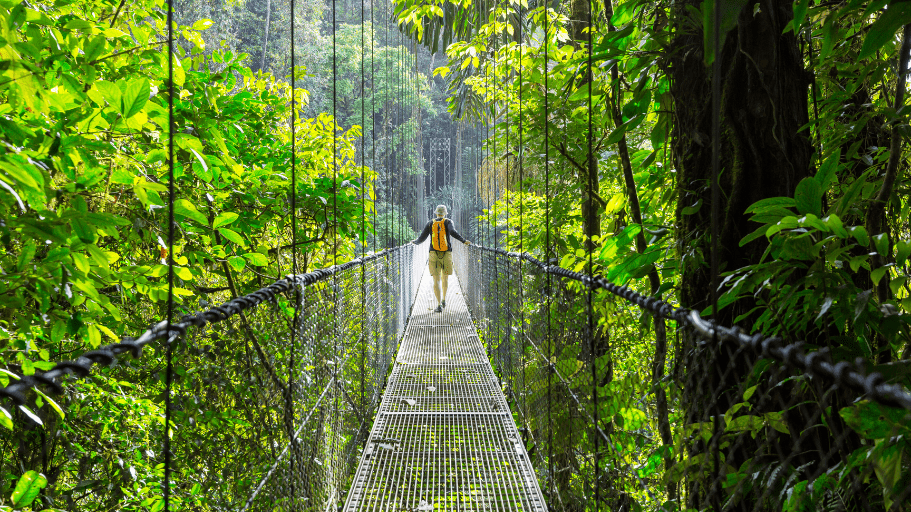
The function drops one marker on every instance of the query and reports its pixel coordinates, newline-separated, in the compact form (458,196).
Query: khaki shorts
(437,263)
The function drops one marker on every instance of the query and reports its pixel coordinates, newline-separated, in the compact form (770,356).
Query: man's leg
(436,286)
(445,285)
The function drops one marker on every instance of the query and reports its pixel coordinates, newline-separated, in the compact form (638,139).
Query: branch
(131,50)
(117,12)
(321,238)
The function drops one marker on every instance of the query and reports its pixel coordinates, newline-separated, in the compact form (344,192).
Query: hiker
(440,259)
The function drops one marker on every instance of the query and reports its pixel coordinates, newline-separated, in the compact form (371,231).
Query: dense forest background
(579,132)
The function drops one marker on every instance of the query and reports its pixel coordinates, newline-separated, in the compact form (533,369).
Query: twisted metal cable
(107,355)
(814,364)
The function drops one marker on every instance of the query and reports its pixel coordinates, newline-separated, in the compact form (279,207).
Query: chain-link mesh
(722,421)
(268,409)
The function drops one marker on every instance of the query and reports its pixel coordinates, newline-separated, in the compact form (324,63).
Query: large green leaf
(257,259)
(186,209)
(808,196)
(6,419)
(875,421)
(223,219)
(883,29)
(111,93)
(27,488)
(135,95)
(232,236)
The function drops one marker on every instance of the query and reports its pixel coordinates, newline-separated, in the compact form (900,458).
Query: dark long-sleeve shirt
(450,232)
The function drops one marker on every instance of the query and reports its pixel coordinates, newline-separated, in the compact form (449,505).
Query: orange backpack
(438,239)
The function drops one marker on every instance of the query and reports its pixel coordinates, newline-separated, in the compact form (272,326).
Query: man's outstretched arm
(456,235)
(424,235)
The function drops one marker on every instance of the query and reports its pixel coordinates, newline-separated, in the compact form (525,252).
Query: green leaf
(835,225)
(180,77)
(808,196)
(83,230)
(902,251)
(134,97)
(6,419)
(776,421)
(771,203)
(202,161)
(745,423)
(51,402)
(623,13)
(860,234)
(111,93)
(203,24)
(22,175)
(27,254)
(883,29)
(800,12)
(27,488)
(633,419)
(828,170)
(186,209)
(881,242)
(877,274)
(95,48)
(896,284)
(232,236)
(223,219)
(237,263)
(257,259)
(874,421)
(690,210)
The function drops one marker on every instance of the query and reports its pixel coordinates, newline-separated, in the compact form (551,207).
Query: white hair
(441,210)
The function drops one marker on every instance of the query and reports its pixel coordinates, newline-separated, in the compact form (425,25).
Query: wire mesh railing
(726,421)
(273,395)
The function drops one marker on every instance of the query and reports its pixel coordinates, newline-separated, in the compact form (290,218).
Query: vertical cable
(335,241)
(496,184)
(294,270)
(169,372)
(363,242)
(550,419)
(591,246)
(373,119)
(522,207)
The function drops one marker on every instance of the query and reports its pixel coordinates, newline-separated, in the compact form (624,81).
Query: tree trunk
(588,179)
(762,154)
(262,65)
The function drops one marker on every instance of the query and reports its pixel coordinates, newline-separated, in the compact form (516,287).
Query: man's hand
(467,242)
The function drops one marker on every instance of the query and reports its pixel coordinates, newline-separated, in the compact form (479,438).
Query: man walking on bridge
(440,259)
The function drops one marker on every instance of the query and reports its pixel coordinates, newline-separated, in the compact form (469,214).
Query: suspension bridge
(342,389)
(364,398)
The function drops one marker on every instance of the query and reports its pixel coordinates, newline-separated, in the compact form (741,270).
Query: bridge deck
(443,438)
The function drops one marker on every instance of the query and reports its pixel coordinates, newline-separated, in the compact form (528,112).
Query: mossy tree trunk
(763,153)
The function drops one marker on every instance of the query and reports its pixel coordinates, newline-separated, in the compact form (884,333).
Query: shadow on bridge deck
(443,437)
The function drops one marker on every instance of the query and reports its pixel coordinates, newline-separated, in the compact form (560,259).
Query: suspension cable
(590,243)
(550,419)
(169,371)
(294,269)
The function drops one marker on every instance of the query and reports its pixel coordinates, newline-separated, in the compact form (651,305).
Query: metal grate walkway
(443,438)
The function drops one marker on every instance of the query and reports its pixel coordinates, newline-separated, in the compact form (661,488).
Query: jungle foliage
(84,126)
(608,107)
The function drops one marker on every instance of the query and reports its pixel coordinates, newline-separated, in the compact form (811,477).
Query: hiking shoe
(443,305)
(439,309)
